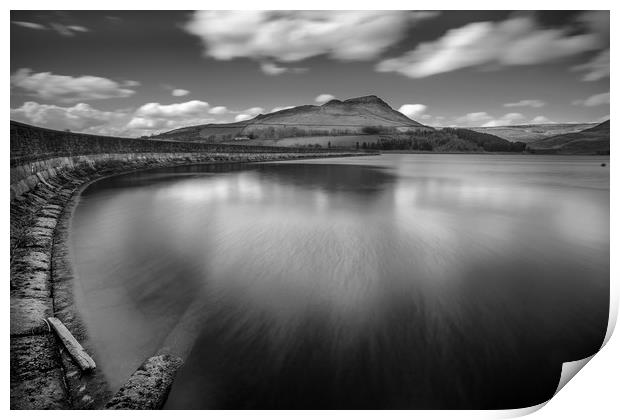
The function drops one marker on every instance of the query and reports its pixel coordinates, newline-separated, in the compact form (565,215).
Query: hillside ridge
(335,117)
(593,140)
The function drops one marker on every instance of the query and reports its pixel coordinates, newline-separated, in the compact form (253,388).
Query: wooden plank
(75,349)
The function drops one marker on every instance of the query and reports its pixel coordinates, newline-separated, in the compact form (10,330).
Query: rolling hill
(594,140)
(532,132)
(368,122)
(349,117)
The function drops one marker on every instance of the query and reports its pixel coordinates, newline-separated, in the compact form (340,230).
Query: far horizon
(253,117)
(197,68)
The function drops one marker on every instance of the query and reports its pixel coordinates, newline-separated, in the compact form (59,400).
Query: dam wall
(39,152)
(49,169)
(30,143)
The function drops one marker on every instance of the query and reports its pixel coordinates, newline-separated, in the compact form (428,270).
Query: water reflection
(382,282)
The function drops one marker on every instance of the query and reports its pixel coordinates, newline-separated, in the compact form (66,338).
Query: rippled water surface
(394,281)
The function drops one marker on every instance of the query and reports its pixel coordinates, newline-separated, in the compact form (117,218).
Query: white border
(592,394)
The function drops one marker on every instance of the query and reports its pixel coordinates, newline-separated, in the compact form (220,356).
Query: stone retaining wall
(30,144)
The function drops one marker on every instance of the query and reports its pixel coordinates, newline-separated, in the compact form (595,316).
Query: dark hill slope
(593,140)
(528,133)
(488,142)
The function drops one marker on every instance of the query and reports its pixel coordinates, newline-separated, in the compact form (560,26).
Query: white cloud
(68,88)
(598,22)
(541,119)
(484,119)
(243,117)
(533,103)
(249,113)
(155,116)
(64,30)
(596,69)
(116,20)
(594,100)
(29,25)
(281,108)
(438,121)
(143,120)
(80,117)
(273,69)
(324,97)
(474,118)
(157,110)
(67,30)
(289,36)
(180,92)
(254,110)
(78,28)
(515,41)
(508,119)
(219,110)
(145,123)
(146,119)
(412,110)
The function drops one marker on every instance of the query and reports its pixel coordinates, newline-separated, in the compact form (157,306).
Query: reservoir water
(393,281)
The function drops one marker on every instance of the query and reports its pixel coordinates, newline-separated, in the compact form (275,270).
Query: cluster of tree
(281,132)
(377,129)
(446,140)
(276,132)
(371,129)
(488,142)
(397,144)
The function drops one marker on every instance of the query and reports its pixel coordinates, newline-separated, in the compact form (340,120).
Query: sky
(133,73)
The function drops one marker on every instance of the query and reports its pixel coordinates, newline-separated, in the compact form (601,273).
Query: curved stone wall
(47,176)
(37,153)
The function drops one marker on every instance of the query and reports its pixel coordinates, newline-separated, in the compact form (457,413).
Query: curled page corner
(569,370)
(613,316)
(517,412)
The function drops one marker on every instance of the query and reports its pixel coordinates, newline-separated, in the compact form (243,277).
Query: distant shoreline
(422,152)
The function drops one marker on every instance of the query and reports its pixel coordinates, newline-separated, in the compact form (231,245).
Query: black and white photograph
(307,209)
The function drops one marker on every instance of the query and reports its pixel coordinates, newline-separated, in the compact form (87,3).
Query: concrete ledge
(28,315)
(31,284)
(43,392)
(37,238)
(148,387)
(31,355)
(32,259)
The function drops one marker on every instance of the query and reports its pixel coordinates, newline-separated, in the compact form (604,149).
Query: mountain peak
(361,100)
(349,116)
(332,102)
(369,99)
